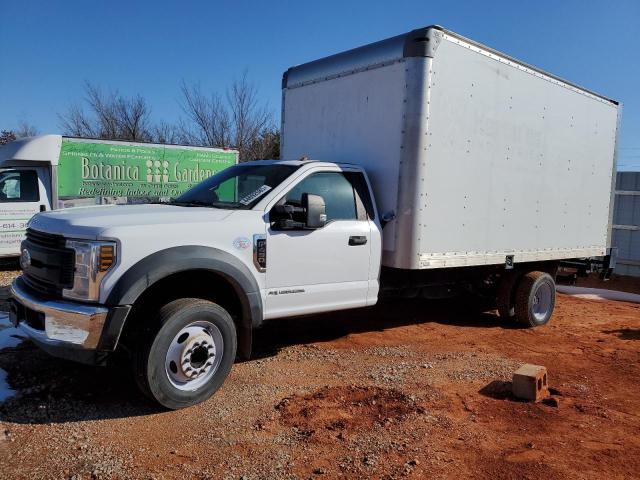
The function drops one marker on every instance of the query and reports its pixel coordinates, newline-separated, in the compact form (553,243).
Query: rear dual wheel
(535,299)
(528,299)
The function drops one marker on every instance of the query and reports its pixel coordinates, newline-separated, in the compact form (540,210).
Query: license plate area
(19,313)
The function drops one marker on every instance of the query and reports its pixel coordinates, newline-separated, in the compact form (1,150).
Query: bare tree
(163,132)
(7,136)
(111,116)
(77,123)
(239,120)
(25,129)
(104,111)
(265,146)
(209,118)
(133,117)
(250,119)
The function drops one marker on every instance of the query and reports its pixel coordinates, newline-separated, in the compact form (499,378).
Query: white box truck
(441,167)
(47,172)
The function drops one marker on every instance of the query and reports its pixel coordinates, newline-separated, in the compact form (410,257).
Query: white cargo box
(474,156)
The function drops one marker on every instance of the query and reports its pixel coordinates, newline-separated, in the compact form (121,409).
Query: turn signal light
(107,258)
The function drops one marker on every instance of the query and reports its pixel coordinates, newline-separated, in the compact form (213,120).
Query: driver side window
(336,190)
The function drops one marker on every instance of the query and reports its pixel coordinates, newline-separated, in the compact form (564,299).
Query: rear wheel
(188,353)
(535,299)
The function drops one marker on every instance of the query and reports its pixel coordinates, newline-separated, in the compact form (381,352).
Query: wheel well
(204,284)
(550,267)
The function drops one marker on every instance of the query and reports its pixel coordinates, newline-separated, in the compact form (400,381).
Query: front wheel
(535,299)
(188,354)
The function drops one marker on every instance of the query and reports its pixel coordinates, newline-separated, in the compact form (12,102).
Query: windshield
(237,187)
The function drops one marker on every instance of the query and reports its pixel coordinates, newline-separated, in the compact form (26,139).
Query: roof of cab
(299,163)
(46,148)
(43,148)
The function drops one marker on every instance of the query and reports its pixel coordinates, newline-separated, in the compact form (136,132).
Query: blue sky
(50,48)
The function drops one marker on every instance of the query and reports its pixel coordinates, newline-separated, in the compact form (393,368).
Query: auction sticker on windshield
(246,200)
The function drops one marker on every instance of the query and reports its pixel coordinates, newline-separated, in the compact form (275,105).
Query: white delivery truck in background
(441,167)
(47,172)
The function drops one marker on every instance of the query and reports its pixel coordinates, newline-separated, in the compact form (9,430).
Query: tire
(187,353)
(506,297)
(535,299)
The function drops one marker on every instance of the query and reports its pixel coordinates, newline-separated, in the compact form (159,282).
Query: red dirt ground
(414,389)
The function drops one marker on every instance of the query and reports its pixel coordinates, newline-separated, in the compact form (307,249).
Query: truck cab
(183,284)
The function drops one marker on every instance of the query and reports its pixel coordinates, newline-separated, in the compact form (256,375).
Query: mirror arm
(288,209)
(289,224)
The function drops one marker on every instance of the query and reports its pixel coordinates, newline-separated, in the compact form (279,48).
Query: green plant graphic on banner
(90,169)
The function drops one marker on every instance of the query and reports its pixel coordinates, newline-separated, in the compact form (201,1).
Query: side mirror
(315,211)
(284,210)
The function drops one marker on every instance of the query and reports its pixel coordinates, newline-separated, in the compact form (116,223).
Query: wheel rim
(194,355)
(542,302)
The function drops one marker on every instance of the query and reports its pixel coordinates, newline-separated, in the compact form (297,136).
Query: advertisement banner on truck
(13,223)
(99,169)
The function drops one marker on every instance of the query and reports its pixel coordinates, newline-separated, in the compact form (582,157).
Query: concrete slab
(598,294)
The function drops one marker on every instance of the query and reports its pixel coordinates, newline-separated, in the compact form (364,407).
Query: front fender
(142,275)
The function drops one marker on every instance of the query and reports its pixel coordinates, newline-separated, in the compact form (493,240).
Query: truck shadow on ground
(625,333)
(277,334)
(50,390)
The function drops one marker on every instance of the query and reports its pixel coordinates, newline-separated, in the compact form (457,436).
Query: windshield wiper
(189,203)
(200,203)
(229,205)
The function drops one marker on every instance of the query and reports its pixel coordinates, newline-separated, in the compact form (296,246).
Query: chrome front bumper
(66,324)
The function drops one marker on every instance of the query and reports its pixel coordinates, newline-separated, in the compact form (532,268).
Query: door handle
(43,208)
(355,240)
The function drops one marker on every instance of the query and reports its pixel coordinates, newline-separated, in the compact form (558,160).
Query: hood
(91,222)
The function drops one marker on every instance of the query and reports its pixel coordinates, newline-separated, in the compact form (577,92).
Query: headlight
(92,261)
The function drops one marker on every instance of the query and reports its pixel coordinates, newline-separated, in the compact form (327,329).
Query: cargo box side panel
(517,164)
(354,118)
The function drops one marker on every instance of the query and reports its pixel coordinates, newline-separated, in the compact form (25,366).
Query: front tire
(187,354)
(535,299)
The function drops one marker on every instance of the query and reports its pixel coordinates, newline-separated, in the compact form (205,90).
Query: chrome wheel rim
(194,355)
(542,301)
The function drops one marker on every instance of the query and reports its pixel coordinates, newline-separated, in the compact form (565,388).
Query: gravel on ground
(413,389)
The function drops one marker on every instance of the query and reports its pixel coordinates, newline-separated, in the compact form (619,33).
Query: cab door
(24,191)
(324,269)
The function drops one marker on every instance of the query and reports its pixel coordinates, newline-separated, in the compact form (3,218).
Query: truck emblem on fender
(241,243)
(25,259)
